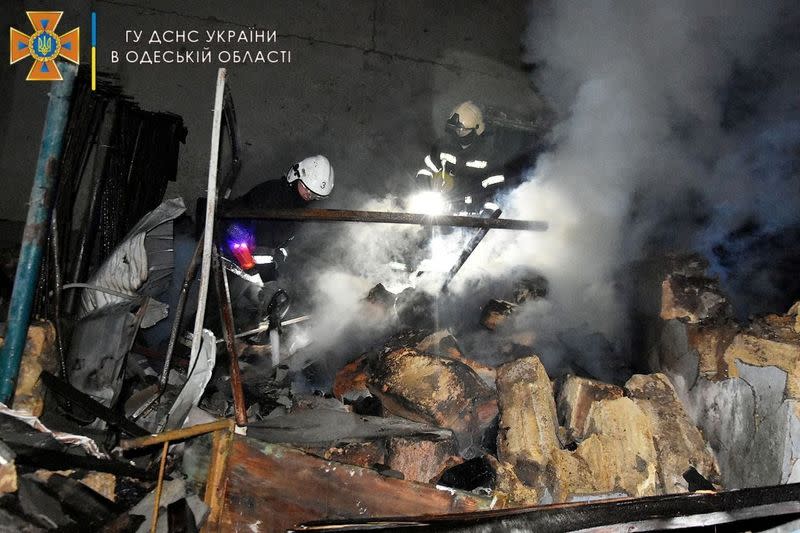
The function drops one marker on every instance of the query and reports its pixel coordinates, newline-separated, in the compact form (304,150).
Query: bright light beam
(427,203)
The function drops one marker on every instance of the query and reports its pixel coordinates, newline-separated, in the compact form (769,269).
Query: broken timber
(323,426)
(272,488)
(343,215)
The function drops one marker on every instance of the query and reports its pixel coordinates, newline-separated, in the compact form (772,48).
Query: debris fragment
(8,470)
(528,420)
(679,444)
(439,391)
(576,397)
(694,299)
(495,313)
(263,477)
(421,459)
(39,355)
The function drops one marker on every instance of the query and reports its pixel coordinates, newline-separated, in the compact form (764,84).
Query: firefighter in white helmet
(462,164)
(262,245)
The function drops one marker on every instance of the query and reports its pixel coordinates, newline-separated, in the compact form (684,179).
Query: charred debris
(213,430)
(416,427)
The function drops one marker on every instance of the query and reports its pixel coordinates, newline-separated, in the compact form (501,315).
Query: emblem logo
(44,45)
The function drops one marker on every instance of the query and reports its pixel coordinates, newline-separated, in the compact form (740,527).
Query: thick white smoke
(644,157)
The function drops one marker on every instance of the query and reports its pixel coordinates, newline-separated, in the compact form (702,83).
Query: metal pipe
(176,434)
(229,121)
(188,279)
(468,249)
(226,314)
(343,215)
(41,203)
(266,327)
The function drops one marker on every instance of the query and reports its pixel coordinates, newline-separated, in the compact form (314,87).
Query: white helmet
(465,118)
(315,172)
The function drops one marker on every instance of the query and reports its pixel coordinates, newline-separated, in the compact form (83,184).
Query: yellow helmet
(465,119)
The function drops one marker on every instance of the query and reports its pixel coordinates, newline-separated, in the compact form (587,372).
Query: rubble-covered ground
(415,415)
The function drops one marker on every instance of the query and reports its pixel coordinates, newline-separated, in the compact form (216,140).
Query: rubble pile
(572,439)
(738,382)
(412,425)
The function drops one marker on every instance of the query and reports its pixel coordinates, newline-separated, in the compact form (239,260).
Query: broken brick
(694,299)
(444,344)
(510,491)
(619,450)
(679,444)
(350,382)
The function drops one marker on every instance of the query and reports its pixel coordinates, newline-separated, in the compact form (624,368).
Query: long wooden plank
(323,427)
(176,434)
(272,488)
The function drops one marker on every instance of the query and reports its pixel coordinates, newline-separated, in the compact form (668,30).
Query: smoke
(678,125)
(332,271)
(661,145)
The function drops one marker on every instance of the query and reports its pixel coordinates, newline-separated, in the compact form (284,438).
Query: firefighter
(262,245)
(463,164)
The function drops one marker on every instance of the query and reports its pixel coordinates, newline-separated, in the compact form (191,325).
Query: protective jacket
(267,236)
(474,172)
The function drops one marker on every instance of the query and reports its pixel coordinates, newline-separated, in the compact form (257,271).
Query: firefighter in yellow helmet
(462,164)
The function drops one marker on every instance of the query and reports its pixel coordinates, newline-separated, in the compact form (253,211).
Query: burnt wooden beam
(277,487)
(87,403)
(226,316)
(467,250)
(345,215)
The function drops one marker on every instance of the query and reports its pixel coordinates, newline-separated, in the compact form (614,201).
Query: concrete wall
(370,84)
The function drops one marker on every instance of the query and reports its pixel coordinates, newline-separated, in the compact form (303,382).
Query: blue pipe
(36,225)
